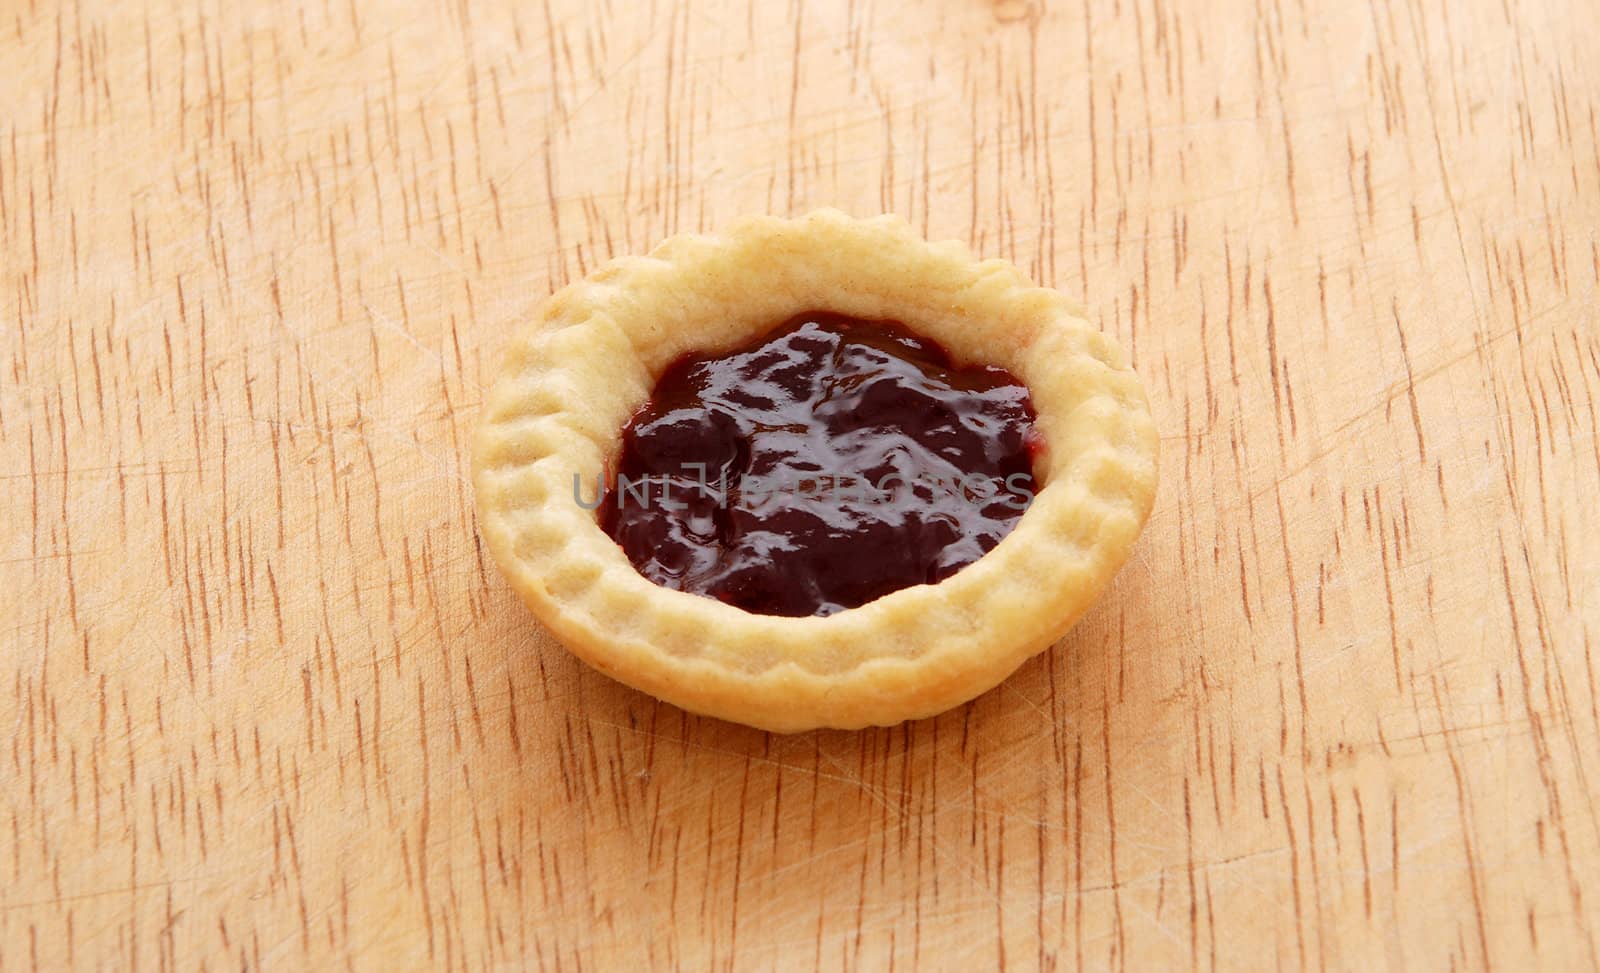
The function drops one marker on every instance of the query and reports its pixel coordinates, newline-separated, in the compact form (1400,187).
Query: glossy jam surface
(827,463)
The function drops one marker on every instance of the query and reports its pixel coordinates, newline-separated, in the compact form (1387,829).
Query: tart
(679,357)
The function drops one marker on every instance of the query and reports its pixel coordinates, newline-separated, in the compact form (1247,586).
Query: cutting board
(267,703)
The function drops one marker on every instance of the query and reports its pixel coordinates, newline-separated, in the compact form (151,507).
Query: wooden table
(268,705)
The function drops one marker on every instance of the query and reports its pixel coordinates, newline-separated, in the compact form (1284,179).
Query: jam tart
(812,472)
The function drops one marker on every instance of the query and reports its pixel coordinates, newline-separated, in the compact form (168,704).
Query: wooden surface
(266,704)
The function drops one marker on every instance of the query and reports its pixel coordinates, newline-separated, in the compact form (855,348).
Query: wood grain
(266,704)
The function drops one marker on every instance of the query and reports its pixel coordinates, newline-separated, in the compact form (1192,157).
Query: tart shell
(574,375)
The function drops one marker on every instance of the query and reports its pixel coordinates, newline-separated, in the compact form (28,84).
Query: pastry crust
(589,360)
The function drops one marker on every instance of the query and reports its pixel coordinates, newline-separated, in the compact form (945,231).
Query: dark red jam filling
(823,465)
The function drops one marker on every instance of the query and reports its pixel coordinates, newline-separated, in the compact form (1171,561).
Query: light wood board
(267,705)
